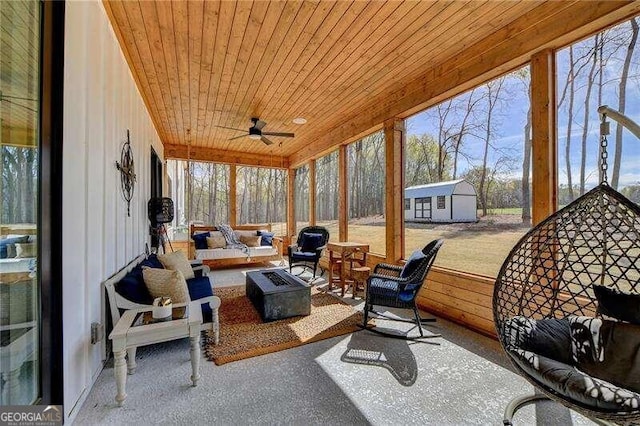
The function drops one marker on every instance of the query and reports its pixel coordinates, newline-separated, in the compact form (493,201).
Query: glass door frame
(50,201)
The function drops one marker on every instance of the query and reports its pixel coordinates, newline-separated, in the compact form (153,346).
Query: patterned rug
(244,335)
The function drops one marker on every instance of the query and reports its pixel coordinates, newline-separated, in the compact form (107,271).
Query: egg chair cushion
(549,337)
(618,304)
(571,383)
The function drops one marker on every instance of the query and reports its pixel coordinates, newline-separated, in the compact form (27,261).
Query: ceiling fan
(255,132)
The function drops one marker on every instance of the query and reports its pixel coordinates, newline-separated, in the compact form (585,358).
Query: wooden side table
(127,336)
(360,275)
(342,253)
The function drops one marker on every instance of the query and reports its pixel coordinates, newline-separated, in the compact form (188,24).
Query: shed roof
(435,189)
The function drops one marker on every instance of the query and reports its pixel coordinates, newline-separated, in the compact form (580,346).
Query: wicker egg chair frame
(551,272)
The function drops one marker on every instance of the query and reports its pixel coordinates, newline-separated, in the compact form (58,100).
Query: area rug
(244,335)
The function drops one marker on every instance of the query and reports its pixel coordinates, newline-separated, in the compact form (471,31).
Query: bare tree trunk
(526,166)
(491,103)
(622,90)
(567,149)
(587,108)
(463,129)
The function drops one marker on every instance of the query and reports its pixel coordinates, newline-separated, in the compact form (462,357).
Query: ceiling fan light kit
(299,120)
(255,132)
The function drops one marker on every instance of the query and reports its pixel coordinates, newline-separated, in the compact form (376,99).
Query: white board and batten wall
(101,101)
(450,202)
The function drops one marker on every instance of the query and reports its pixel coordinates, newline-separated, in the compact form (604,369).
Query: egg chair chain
(604,131)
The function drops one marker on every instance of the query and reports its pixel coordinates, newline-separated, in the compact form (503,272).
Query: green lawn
(474,247)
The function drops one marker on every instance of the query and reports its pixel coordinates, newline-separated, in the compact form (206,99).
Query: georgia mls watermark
(30,415)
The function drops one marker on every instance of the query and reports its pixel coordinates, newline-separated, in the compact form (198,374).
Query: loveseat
(126,290)
(267,248)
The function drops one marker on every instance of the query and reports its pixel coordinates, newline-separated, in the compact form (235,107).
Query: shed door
(423,208)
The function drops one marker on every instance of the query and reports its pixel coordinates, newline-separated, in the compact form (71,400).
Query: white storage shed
(451,201)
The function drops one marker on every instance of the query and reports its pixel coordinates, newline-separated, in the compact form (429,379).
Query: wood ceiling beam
(196,153)
(510,47)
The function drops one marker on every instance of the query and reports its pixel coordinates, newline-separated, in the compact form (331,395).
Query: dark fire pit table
(276,294)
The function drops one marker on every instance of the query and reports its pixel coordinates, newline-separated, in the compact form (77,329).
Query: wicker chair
(566,306)
(397,287)
(312,240)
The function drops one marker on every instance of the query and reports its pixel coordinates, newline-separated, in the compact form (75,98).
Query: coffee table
(128,334)
(277,294)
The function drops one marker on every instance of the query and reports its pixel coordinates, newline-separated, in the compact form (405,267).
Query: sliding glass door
(20,332)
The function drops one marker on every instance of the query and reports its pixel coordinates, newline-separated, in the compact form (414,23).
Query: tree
(622,100)
(493,89)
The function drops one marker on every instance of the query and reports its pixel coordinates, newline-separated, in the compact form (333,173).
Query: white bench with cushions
(127,290)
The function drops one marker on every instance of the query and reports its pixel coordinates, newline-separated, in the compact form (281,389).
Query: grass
(480,247)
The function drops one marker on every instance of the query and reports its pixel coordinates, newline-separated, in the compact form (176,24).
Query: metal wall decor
(127,173)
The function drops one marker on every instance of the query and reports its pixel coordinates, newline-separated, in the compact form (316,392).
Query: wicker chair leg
(366,315)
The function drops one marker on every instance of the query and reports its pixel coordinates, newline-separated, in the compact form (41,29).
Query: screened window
(407,203)
(366,184)
(601,70)
(261,197)
(483,137)
(301,194)
(327,194)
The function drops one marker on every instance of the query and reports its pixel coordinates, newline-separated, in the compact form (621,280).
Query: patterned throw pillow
(166,283)
(216,241)
(251,240)
(177,261)
(26,250)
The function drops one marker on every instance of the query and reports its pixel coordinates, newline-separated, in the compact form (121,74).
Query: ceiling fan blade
(265,140)
(259,124)
(238,137)
(232,128)
(286,135)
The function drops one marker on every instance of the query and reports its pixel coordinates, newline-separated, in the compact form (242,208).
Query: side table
(341,253)
(127,335)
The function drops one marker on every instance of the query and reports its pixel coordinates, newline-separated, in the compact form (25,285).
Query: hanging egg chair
(566,303)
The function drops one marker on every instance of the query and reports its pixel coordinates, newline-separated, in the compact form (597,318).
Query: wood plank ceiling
(218,63)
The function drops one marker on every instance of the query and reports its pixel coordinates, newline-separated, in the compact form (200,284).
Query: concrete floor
(360,378)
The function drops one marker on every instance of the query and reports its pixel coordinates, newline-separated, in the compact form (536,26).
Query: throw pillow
(200,240)
(13,240)
(166,283)
(152,261)
(618,304)
(250,241)
(310,242)
(267,238)
(550,337)
(412,264)
(11,251)
(133,288)
(586,341)
(177,261)
(214,242)
(617,359)
(26,250)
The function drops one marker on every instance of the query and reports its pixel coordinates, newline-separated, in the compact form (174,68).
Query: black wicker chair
(397,287)
(566,304)
(307,251)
